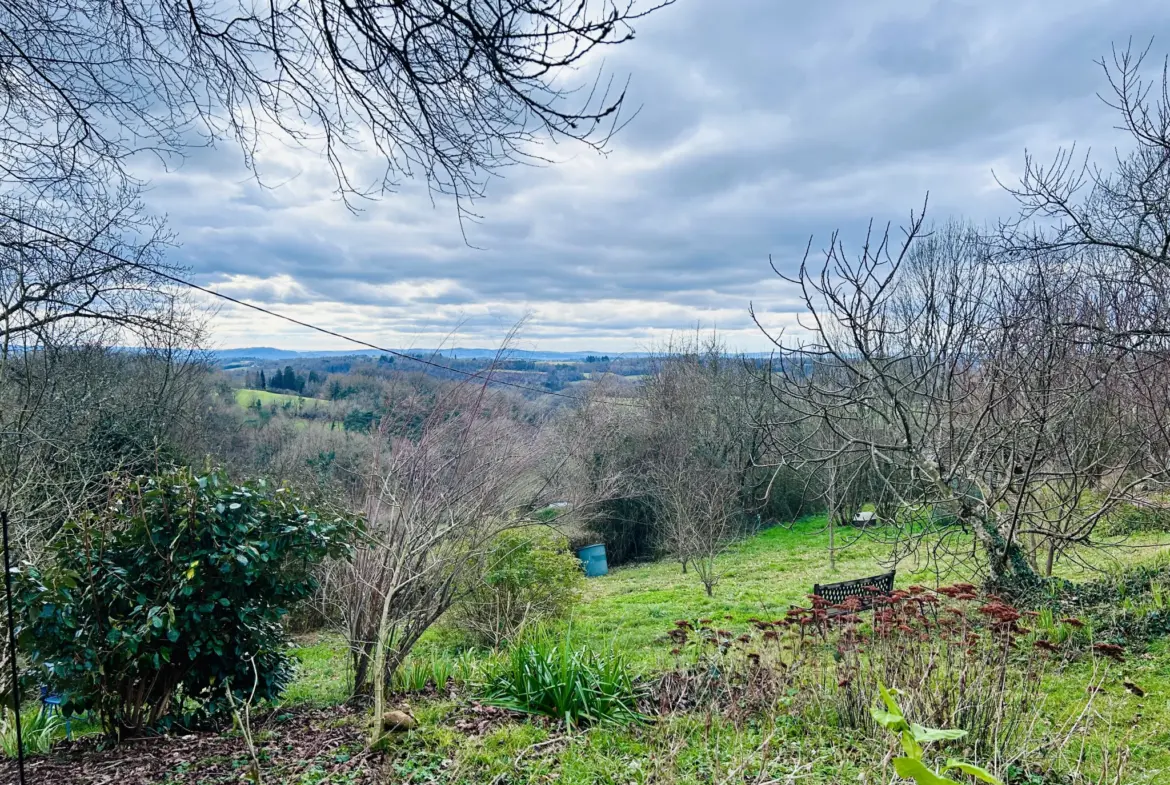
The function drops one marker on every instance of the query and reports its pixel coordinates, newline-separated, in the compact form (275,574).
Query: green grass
(322,672)
(247,398)
(632,607)
(762,576)
(1118,722)
(630,611)
(298,406)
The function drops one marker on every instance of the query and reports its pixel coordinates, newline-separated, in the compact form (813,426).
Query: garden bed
(296,748)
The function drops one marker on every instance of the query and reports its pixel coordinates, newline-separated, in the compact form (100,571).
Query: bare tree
(440,490)
(70,416)
(71,409)
(1110,223)
(99,266)
(699,516)
(697,422)
(450,91)
(965,381)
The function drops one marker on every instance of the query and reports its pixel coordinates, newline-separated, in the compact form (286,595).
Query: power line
(183,282)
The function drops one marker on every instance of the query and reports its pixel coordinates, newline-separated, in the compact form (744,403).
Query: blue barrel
(593,560)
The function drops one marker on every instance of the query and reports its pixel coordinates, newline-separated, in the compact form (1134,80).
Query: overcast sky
(762,123)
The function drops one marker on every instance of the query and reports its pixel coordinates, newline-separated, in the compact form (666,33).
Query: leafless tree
(71,411)
(699,516)
(697,416)
(100,266)
(1112,223)
(981,405)
(441,488)
(450,91)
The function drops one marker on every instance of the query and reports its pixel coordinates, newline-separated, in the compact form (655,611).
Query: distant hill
(269,353)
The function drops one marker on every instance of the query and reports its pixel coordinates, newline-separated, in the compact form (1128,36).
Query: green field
(631,610)
(248,398)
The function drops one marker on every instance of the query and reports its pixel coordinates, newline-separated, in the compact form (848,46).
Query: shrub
(38,731)
(551,675)
(739,676)
(1137,519)
(172,591)
(530,578)
(959,658)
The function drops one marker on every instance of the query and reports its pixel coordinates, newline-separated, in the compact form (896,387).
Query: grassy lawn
(247,398)
(764,575)
(1086,709)
(761,576)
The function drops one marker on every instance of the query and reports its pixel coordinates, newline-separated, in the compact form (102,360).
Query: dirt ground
(310,746)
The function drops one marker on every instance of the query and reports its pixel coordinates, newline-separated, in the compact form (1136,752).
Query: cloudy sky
(762,123)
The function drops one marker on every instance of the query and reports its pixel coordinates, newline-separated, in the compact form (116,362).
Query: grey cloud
(761,124)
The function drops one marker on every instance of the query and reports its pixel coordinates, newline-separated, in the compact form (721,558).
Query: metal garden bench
(866,590)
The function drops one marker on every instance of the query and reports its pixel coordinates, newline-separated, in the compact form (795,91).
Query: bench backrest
(862,588)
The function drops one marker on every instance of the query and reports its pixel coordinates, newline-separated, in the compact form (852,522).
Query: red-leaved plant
(961,658)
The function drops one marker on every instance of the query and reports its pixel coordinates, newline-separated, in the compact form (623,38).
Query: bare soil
(308,746)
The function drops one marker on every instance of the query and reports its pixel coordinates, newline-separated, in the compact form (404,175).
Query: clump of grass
(38,731)
(552,675)
(438,673)
(466,669)
(411,676)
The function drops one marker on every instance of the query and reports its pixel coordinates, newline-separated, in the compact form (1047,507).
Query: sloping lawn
(1086,705)
(1088,720)
(762,576)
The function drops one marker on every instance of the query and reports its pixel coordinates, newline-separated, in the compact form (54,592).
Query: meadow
(1106,731)
(247,397)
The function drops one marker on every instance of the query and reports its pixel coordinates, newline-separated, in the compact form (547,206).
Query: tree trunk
(1007,561)
(361,667)
(832,543)
(380,670)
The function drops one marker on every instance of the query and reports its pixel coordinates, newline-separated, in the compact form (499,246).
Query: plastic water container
(593,560)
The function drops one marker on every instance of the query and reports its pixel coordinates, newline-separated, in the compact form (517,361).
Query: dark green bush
(359,420)
(530,576)
(1137,519)
(145,610)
